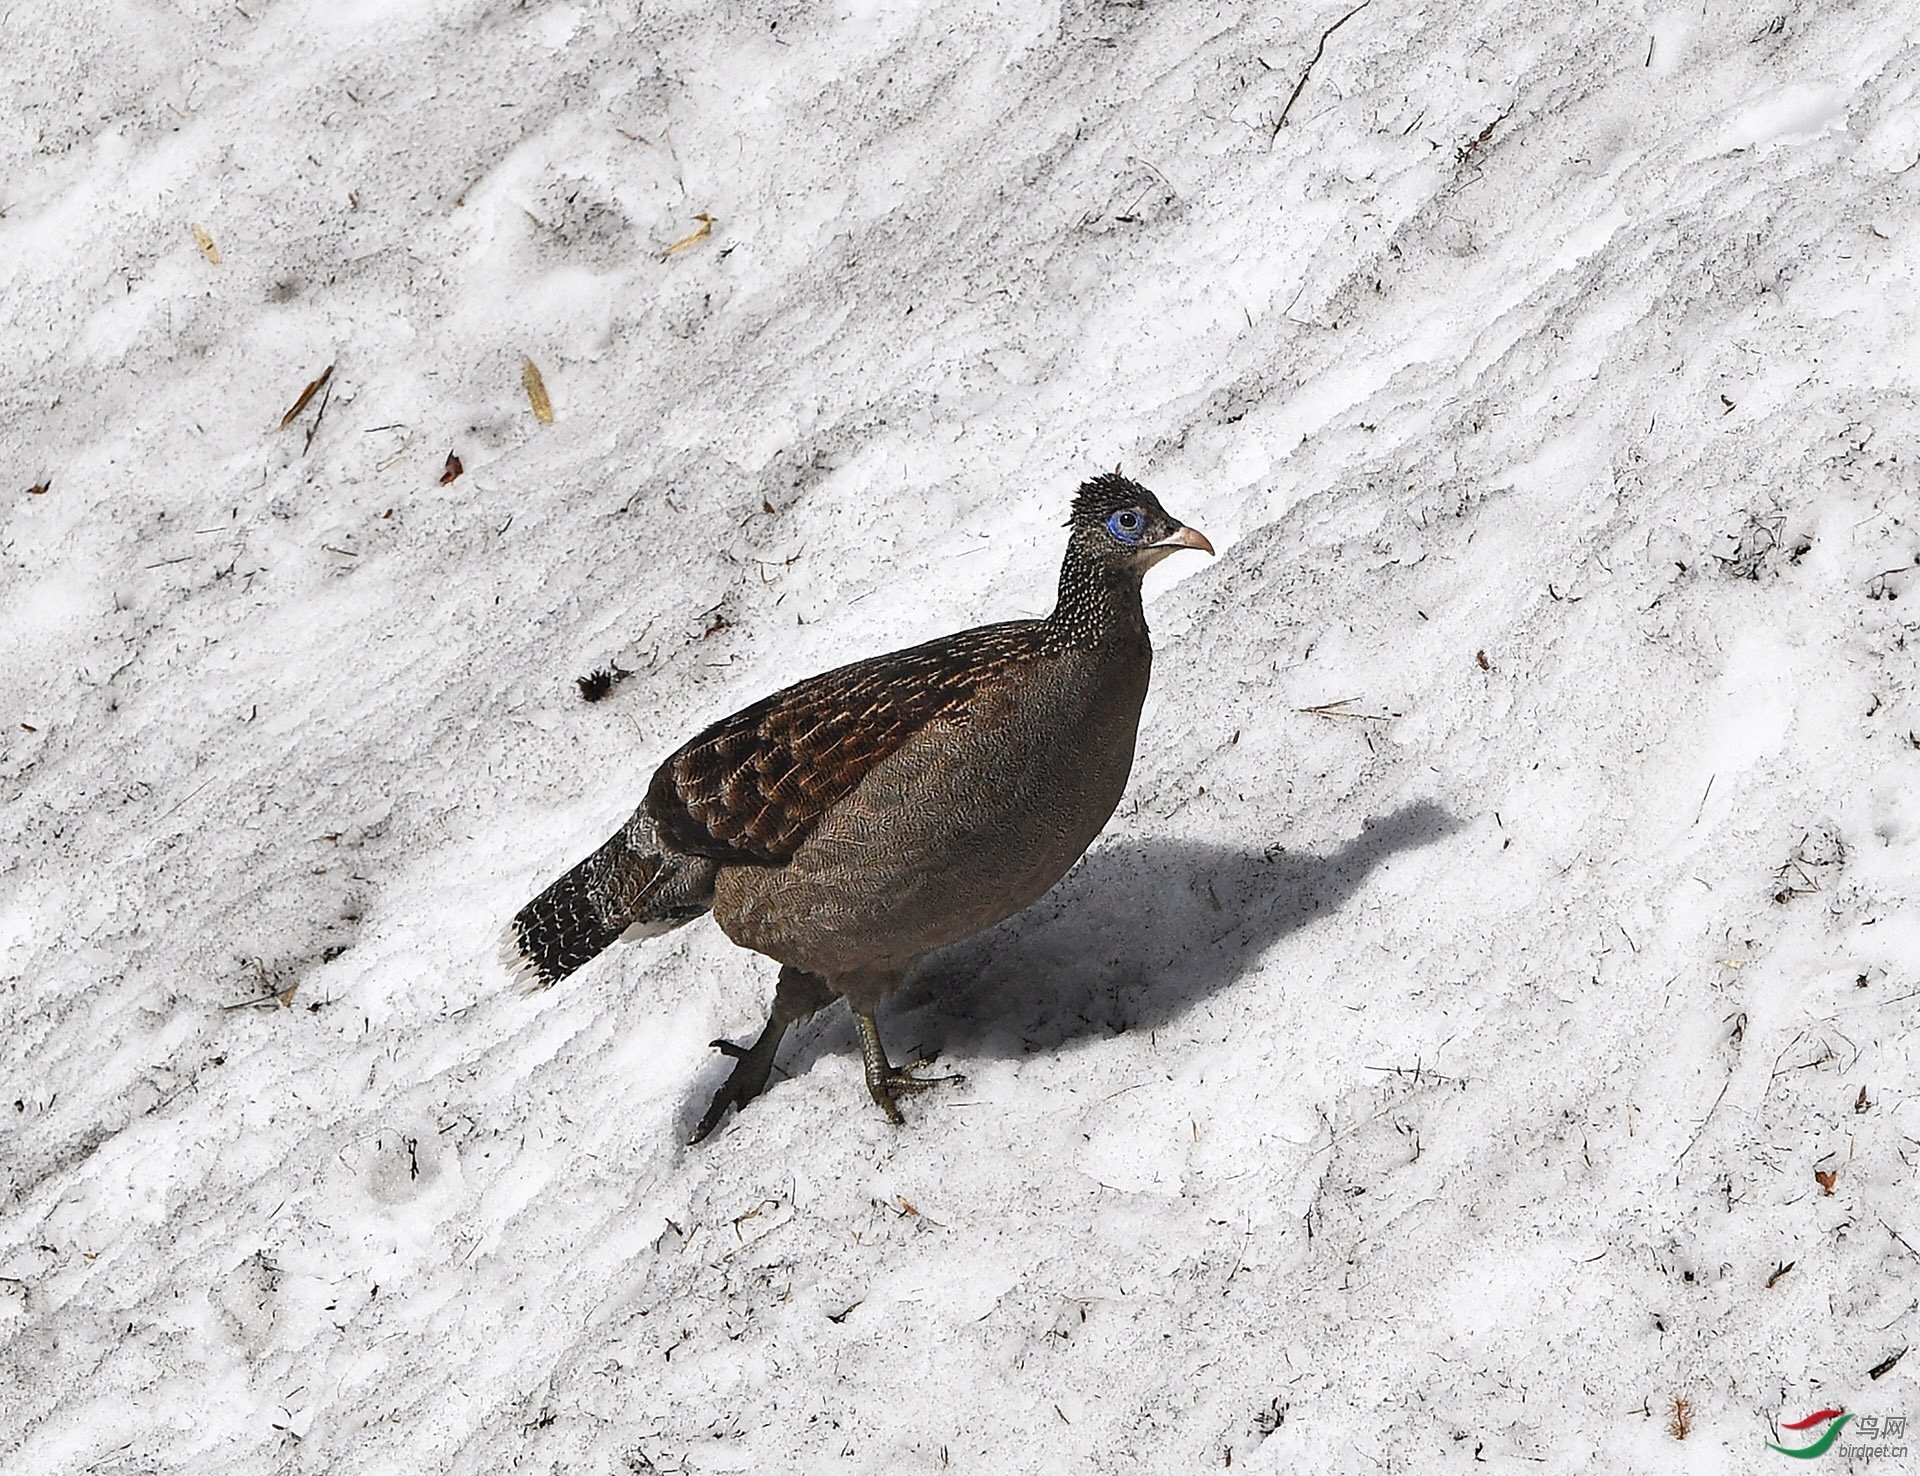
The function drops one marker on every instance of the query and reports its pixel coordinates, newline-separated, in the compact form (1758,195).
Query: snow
(1435,1080)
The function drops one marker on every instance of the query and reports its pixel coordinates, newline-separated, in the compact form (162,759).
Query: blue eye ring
(1126,525)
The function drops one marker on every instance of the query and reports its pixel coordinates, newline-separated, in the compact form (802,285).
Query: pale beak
(1181,538)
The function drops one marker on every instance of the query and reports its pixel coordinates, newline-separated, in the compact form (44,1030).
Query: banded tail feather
(628,888)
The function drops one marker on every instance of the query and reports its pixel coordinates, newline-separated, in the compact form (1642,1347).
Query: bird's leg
(884,1080)
(798,996)
(752,1066)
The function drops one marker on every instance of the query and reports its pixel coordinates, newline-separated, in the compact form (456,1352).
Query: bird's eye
(1126,525)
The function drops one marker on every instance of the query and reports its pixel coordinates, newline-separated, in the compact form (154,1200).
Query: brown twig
(1473,145)
(1318,52)
(326,399)
(1697,1132)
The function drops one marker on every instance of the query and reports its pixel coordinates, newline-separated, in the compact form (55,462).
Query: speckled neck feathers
(1099,601)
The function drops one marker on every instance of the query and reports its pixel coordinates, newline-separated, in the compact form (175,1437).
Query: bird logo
(1821,1446)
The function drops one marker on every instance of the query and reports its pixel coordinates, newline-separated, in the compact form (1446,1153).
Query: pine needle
(1342,708)
(306,395)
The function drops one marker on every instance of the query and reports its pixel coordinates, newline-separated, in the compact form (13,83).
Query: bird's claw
(882,1085)
(902,1079)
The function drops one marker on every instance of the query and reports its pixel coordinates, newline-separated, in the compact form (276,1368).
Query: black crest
(1101,496)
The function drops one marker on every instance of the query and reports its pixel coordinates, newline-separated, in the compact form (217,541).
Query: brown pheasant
(850,824)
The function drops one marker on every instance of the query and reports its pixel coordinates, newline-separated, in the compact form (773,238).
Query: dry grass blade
(204,240)
(306,396)
(536,391)
(700,233)
(1342,709)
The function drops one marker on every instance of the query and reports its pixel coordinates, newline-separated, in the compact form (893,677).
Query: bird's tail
(627,888)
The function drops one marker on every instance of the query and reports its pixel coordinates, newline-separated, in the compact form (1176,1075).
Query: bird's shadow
(1135,936)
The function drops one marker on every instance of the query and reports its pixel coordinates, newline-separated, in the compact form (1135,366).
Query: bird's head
(1119,523)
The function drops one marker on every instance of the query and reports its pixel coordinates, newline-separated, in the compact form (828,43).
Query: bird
(850,824)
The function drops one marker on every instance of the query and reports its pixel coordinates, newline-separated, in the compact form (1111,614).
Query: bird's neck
(1099,603)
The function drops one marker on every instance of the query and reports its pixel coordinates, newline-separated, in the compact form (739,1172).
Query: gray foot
(884,1080)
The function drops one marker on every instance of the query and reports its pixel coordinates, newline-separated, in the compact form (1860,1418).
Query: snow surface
(1435,1081)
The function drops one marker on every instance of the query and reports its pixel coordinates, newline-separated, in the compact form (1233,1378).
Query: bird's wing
(752,787)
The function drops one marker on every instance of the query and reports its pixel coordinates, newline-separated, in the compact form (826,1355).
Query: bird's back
(752,787)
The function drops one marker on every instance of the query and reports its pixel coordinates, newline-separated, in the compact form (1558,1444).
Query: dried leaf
(700,233)
(204,241)
(40,489)
(306,395)
(1826,1178)
(536,391)
(453,469)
